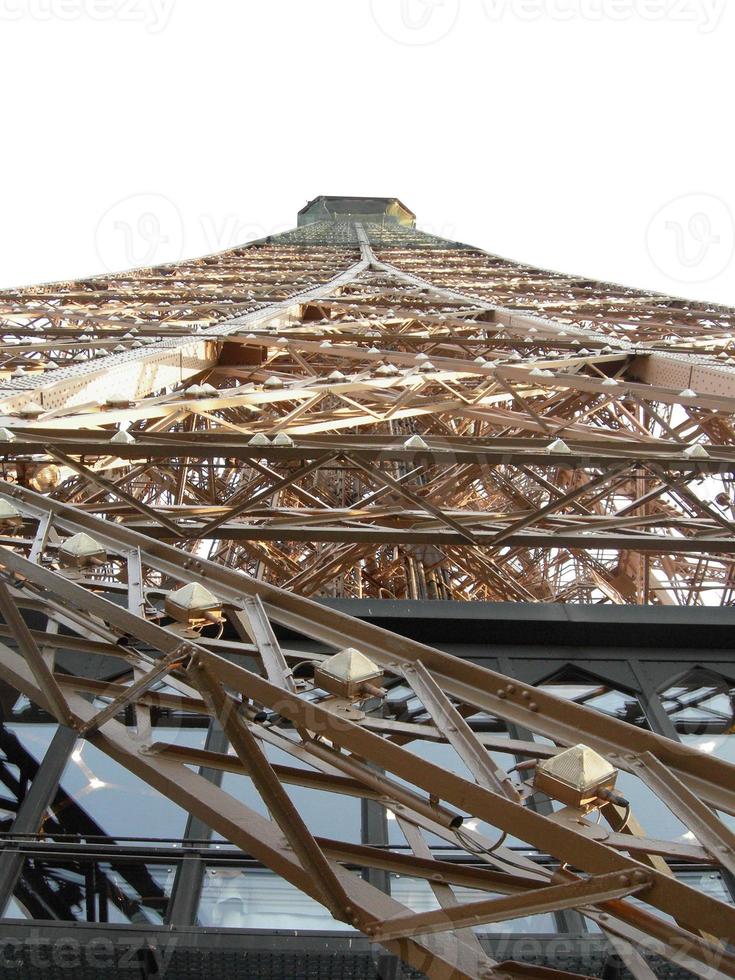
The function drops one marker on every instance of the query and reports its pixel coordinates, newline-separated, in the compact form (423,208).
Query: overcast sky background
(588,136)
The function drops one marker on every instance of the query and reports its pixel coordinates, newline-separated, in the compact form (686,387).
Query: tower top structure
(371,209)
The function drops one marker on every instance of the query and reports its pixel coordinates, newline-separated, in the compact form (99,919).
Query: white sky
(589,136)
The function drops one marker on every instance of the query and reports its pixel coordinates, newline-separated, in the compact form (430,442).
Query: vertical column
(188,883)
(374,833)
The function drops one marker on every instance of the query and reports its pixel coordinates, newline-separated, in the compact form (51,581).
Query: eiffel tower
(358,410)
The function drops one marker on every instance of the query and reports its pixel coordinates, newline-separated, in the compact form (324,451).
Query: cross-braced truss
(402,419)
(354,411)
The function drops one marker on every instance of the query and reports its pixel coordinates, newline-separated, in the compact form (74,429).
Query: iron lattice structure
(347,339)
(357,409)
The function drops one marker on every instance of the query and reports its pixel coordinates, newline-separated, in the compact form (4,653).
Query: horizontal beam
(570,895)
(370,534)
(585,452)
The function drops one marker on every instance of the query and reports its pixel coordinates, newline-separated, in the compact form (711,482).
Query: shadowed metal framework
(359,410)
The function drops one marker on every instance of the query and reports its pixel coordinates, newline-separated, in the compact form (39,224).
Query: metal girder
(137,689)
(594,890)
(458,733)
(27,644)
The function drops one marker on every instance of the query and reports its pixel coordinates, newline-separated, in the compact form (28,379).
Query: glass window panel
(722,746)
(417,895)
(591,693)
(702,704)
(118,802)
(24,710)
(255,898)
(14,910)
(89,890)
(35,738)
(22,749)
(653,815)
(702,709)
